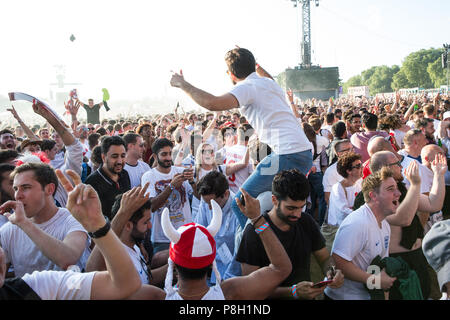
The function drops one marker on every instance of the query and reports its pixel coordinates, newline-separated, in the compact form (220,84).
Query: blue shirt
(225,237)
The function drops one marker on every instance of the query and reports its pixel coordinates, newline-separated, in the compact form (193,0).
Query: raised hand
(252,207)
(134,199)
(439,165)
(14,113)
(290,95)
(72,106)
(83,201)
(177,79)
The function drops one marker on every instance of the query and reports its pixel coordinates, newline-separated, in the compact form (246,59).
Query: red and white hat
(192,246)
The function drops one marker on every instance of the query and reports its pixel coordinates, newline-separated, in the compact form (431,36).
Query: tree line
(422,69)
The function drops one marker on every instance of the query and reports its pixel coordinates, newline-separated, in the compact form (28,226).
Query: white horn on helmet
(216,221)
(168,228)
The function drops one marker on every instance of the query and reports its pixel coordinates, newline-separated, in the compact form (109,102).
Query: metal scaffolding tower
(306,31)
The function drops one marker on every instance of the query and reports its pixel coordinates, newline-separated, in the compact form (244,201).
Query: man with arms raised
(264,105)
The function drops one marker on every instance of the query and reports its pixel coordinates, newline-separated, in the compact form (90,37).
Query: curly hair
(345,163)
(389,121)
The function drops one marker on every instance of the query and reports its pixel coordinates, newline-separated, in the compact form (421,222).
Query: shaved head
(428,154)
(378,144)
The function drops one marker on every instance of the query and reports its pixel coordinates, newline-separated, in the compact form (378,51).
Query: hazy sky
(130,46)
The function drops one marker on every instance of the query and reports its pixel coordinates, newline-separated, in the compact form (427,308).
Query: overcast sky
(130,46)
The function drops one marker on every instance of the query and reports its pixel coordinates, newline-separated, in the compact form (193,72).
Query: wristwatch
(102,231)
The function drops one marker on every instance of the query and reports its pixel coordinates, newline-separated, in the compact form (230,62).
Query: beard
(137,236)
(165,164)
(114,169)
(284,218)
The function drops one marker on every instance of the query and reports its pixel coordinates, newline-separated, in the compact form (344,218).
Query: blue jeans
(317,195)
(261,179)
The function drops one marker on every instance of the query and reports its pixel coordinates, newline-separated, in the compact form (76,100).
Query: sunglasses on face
(207,151)
(358,166)
(398,163)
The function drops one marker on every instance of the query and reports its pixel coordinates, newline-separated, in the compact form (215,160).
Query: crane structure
(307,80)
(306,31)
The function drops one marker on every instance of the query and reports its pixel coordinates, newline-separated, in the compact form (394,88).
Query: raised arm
(290,95)
(131,201)
(260,283)
(25,128)
(404,214)
(203,98)
(235,167)
(121,278)
(59,127)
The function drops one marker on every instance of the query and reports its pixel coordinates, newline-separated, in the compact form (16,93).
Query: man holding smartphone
(300,236)
(169,188)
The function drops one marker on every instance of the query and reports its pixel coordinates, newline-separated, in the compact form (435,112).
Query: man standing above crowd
(134,165)
(264,105)
(93,110)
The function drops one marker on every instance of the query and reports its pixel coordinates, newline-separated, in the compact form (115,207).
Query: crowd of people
(262,196)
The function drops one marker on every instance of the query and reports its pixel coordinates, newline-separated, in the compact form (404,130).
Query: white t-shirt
(398,135)
(60,285)
(73,161)
(136,172)
(3,220)
(23,253)
(177,203)
(264,105)
(341,202)
(139,263)
(331,177)
(426,175)
(233,155)
(322,143)
(359,239)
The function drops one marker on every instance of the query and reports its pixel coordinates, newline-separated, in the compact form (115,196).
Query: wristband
(100,232)
(171,187)
(253,221)
(262,228)
(294,291)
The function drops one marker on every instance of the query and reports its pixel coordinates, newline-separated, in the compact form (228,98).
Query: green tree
(354,81)
(438,75)
(415,67)
(381,79)
(399,80)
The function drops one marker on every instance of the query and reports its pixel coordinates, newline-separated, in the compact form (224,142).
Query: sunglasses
(207,151)
(398,163)
(358,166)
